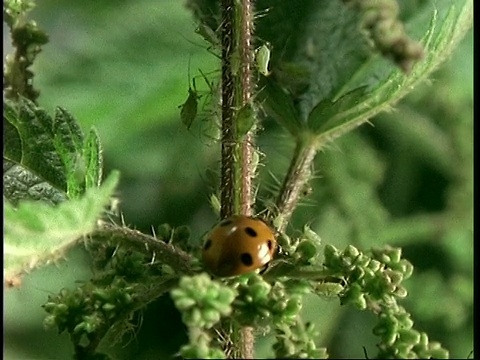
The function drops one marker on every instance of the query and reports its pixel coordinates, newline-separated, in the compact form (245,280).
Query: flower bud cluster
(260,303)
(380,20)
(89,309)
(179,236)
(399,340)
(202,301)
(302,251)
(297,342)
(370,279)
(200,348)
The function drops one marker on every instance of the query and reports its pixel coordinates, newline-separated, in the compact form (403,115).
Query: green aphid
(262,58)
(215,204)
(189,110)
(245,119)
(207,34)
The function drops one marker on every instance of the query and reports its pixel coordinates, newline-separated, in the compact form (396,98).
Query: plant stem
(228,184)
(299,173)
(237,151)
(246,61)
(166,253)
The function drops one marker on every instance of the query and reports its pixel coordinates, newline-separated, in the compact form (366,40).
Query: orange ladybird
(237,245)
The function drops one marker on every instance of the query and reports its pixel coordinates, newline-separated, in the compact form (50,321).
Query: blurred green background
(124,66)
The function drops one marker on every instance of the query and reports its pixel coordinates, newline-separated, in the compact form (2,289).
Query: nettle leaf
(68,141)
(21,184)
(37,233)
(278,104)
(439,41)
(320,39)
(322,118)
(47,159)
(331,74)
(38,154)
(92,153)
(12,145)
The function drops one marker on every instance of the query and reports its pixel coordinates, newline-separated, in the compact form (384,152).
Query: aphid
(262,58)
(207,34)
(245,119)
(215,204)
(189,110)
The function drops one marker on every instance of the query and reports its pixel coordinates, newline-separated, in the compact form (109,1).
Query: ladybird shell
(237,245)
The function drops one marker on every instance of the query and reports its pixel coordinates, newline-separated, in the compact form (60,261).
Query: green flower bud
(307,250)
(108,307)
(395,255)
(406,268)
(357,274)
(49,321)
(181,234)
(355,297)
(351,252)
(183,303)
(330,253)
(260,290)
(210,317)
(328,289)
(311,235)
(374,265)
(164,232)
(409,336)
(400,292)
(293,307)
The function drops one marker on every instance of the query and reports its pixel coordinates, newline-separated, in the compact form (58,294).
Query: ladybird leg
(264,268)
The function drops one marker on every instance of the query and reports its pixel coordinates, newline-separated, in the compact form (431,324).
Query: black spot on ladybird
(270,244)
(251,232)
(246,259)
(207,244)
(226,222)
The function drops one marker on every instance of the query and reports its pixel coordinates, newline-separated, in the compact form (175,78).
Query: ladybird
(237,245)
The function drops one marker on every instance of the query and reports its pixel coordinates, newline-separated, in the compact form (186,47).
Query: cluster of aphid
(189,109)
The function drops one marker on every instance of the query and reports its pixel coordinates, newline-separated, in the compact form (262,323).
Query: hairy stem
(247,172)
(162,251)
(237,149)
(246,61)
(299,173)
(228,178)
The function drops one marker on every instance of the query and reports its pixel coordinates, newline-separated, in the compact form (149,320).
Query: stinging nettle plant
(319,69)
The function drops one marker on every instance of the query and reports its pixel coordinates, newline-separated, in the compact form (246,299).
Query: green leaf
(48,152)
(278,104)
(320,119)
(37,233)
(68,141)
(38,153)
(20,183)
(12,146)
(440,40)
(348,84)
(323,38)
(92,153)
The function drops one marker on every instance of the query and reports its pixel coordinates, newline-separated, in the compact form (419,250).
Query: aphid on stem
(245,119)
(189,108)
(208,34)
(262,58)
